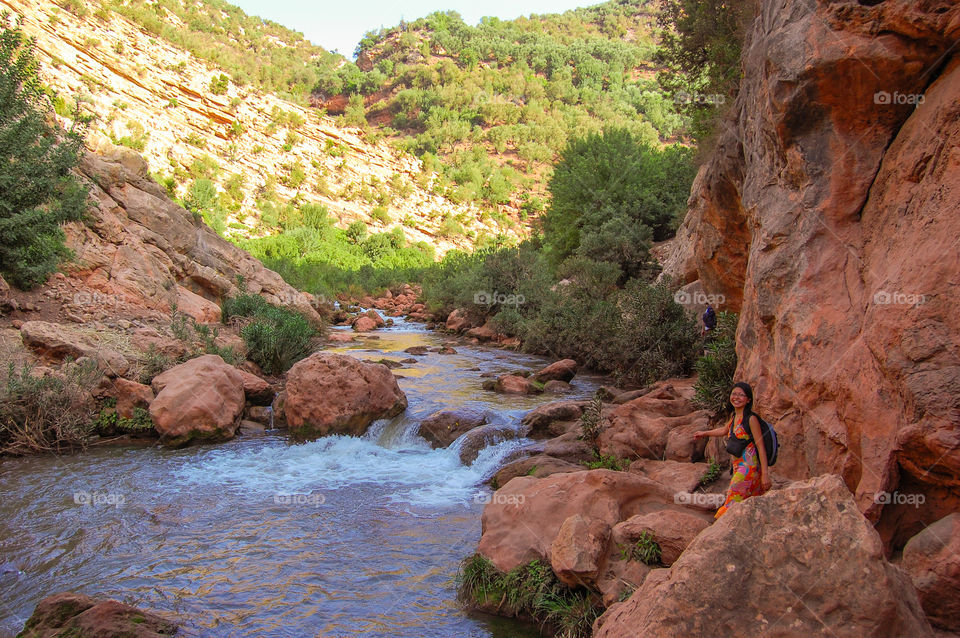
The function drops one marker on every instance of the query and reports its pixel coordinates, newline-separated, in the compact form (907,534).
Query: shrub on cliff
(276,337)
(37,191)
(715,369)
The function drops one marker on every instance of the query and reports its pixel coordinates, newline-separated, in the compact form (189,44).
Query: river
(259,536)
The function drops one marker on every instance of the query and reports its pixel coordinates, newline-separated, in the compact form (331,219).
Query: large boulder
(444,427)
(80,616)
(797,561)
(578,551)
(330,393)
(364,324)
(552,419)
(131,395)
(200,400)
(524,519)
(515,384)
(57,342)
(932,558)
(457,321)
(658,425)
(475,440)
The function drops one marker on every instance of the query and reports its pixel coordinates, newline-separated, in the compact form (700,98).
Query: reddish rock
(329,393)
(457,321)
(256,390)
(131,395)
(521,524)
(340,337)
(475,440)
(538,466)
(659,424)
(562,370)
(826,216)
(932,558)
(146,340)
(56,342)
(486,332)
(201,309)
(512,384)
(80,616)
(800,561)
(671,530)
(200,400)
(444,427)
(416,350)
(364,324)
(578,551)
(557,387)
(679,477)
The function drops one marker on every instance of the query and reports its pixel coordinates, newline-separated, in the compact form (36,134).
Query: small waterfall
(270,413)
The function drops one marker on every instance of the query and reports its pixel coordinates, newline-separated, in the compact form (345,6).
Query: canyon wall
(828,218)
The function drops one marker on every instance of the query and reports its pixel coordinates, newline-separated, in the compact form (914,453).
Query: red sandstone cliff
(827,216)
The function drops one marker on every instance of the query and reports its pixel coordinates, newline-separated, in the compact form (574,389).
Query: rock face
(798,561)
(932,558)
(200,400)
(827,218)
(562,370)
(69,614)
(330,393)
(444,427)
(57,342)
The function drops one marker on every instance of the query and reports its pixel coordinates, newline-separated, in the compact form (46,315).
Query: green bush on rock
(276,337)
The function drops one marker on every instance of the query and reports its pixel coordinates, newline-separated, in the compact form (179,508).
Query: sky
(340,25)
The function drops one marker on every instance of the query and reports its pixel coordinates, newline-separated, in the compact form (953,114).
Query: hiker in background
(709,319)
(751,475)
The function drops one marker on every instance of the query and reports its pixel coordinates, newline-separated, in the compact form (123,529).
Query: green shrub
(531,590)
(219,84)
(711,474)
(37,191)
(715,369)
(607,462)
(591,423)
(380,214)
(276,338)
(109,423)
(645,550)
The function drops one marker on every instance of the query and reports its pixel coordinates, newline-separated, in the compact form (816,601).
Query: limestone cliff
(157,98)
(827,217)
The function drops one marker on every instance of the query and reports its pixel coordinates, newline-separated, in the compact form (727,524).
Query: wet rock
(259,413)
(329,393)
(542,419)
(80,616)
(416,350)
(446,350)
(251,428)
(562,370)
(514,384)
(200,400)
(807,544)
(475,440)
(486,332)
(390,363)
(539,466)
(446,426)
(408,360)
(557,387)
(932,558)
(340,337)
(364,324)
(131,395)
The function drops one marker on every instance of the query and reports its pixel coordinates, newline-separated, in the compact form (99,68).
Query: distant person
(709,319)
(751,476)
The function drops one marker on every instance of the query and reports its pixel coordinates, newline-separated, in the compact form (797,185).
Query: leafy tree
(605,183)
(37,191)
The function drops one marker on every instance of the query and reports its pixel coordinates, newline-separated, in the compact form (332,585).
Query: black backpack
(770,442)
(710,318)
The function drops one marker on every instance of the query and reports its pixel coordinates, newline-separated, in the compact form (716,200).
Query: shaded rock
(540,421)
(457,321)
(390,363)
(486,332)
(259,414)
(200,400)
(539,466)
(251,428)
(807,544)
(557,387)
(329,393)
(256,390)
(932,558)
(446,350)
(483,436)
(569,447)
(408,360)
(80,616)
(279,402)
(562,370)
(578,551)
(446,426)
(416,350)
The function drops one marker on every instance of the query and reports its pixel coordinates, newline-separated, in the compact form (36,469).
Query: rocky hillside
(827,218)
(192,123)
